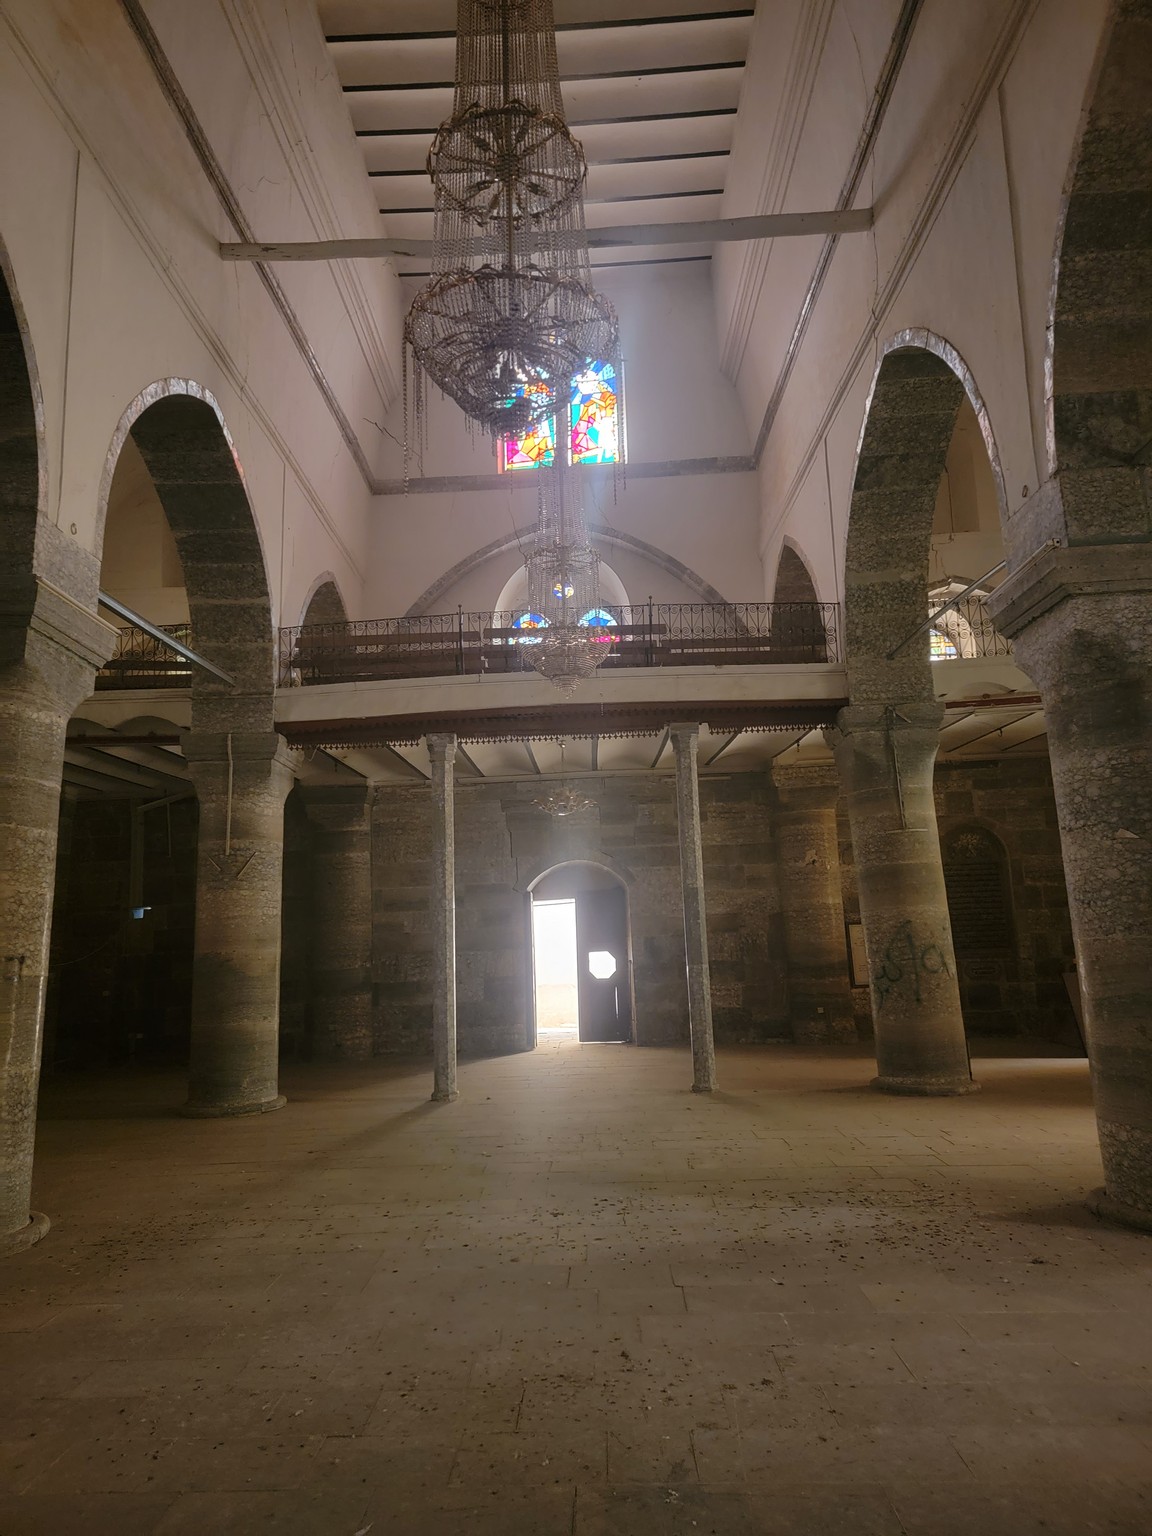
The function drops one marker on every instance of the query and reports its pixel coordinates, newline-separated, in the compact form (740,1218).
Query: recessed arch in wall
(324,603)
(180,432)
(794,582)
(514,592)
(601,534)
(915,398)
(23,459)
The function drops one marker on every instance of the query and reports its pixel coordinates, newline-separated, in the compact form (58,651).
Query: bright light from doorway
(554,959)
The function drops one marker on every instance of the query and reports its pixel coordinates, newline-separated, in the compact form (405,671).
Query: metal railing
(142,661)
(639,635)
(966,631)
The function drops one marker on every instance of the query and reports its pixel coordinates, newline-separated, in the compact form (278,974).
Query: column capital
(684,729)
(441,746)
(1058,571)
(58,638)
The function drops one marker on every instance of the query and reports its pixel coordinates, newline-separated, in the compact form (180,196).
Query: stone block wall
(504,843)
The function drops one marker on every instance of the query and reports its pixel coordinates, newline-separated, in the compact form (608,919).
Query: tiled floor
(580,1301)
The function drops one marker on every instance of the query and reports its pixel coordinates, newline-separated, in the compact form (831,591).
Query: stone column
(886,756)
(1081,623)
(341,918)
(442,751)
(685,742)
(49,651)
(242,780)
(808,850)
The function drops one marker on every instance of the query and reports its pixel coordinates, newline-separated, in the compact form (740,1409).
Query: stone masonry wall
(503,843)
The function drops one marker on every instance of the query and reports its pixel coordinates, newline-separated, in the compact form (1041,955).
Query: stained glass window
(595,426)
(595,417)
(529,621)
(942,648)
(600,618)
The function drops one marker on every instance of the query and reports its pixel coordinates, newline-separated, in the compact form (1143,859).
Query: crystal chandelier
(509,315)
(564,580)
(564,800)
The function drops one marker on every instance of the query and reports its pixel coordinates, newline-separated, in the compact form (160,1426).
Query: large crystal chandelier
(509,315)
(564,800)
(564,579)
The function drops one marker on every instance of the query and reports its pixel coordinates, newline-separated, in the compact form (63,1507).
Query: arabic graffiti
(905,963)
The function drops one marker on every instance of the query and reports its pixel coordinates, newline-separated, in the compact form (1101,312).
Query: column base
(16,1242)
(221,1111)
(1101,1204)
(703,1087)
(444,1098)
(926,1087)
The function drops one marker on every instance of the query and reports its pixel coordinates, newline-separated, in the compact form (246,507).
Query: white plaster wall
(966,181)
(111,230)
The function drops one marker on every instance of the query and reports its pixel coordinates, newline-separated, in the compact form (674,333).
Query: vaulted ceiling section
(651,89)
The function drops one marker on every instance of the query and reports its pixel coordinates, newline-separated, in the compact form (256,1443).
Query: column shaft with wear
(685,743)
(49,651)
(242,780)
(886,756)
(442,751)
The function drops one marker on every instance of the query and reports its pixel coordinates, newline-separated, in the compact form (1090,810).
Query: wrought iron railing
(141,661)
(639,635)
(966,631)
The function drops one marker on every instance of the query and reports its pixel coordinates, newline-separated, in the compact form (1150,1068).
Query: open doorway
(581,956)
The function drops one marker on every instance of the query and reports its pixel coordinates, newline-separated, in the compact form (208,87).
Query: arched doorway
(581,949)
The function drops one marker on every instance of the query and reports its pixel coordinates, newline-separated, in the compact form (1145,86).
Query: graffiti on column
(905,963)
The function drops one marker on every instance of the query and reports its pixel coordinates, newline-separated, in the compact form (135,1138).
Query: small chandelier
(510,314)
(564,800)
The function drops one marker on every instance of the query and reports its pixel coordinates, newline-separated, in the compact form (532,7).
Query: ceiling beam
(694,154)
(660,750)
(605,74)
(720,751)
(527,745)
(767,226)
(466,756)
(740,14)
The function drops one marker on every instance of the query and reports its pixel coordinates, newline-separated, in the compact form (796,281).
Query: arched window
(979,891)
(594,425)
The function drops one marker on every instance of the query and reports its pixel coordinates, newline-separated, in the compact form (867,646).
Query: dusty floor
(579,1301)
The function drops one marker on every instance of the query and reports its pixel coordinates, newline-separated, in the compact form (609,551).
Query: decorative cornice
(545,721)
(1057,572)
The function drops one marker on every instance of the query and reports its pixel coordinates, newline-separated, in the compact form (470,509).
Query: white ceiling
(651,89)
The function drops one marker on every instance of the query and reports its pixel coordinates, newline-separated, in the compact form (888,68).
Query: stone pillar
(808,850)
(242,780)
(685,742)
(341,918)
(442,751)
(49,651)
(1081,623)
(886,756)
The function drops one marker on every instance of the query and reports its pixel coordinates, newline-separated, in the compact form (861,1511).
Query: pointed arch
(23,460)
(325,603)
(909,419)
(182,437)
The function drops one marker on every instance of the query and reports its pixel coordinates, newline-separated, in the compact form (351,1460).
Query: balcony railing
(141,661)
(642,635)
(468,644)
(966,631)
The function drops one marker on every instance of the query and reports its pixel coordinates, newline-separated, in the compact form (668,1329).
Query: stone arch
(1099,373)
(23,460)
(909,419)
(605,861)
(794,582)
(601,534)
(181,434)
(325,603)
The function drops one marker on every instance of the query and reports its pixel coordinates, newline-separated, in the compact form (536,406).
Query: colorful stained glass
(537,446)
(600,618)
(942,649)
(595,416)
(529,621)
